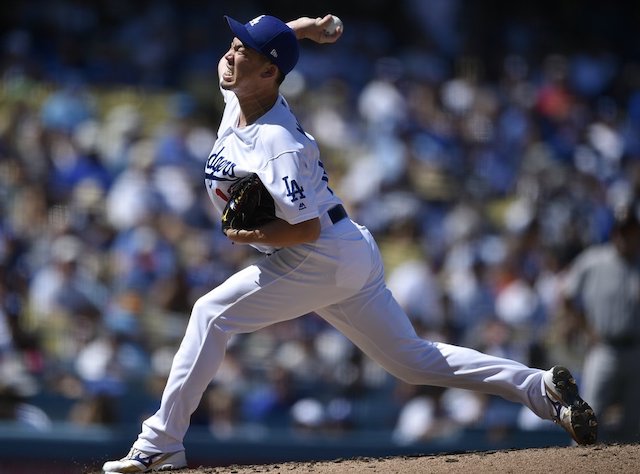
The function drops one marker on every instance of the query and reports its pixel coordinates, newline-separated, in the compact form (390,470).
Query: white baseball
(330,29)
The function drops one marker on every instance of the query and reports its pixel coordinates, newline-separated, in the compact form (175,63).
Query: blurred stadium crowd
(482,158)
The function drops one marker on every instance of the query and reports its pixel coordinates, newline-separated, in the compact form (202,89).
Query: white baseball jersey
(280,152)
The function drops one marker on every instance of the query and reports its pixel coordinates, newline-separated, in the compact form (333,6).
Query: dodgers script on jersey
(287,163)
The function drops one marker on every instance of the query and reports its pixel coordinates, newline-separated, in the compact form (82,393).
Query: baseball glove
(250,205)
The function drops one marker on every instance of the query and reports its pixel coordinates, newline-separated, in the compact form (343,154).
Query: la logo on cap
(256,20)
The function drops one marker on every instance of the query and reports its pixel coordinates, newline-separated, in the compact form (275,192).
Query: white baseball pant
(341,278)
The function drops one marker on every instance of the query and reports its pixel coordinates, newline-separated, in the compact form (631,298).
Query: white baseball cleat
(140,461)
(571,412)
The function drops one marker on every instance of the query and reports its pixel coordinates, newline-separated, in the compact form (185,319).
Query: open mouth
(228,73)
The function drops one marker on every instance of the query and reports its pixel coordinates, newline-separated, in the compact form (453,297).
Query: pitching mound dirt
(592,459)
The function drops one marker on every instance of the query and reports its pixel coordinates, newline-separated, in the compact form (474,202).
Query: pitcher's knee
(203,312)
(414,362)
(210,314)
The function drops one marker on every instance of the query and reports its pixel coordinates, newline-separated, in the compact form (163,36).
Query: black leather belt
(337,213)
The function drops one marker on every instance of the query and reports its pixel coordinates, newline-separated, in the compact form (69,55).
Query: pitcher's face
(245,68)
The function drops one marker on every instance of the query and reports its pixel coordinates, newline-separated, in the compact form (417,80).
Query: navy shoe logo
(145,460)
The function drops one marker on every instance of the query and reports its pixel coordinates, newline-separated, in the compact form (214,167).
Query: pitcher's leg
(378,326)
(258,296)
(196,362)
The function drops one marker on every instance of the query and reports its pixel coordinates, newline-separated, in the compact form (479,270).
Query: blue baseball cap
(271,37)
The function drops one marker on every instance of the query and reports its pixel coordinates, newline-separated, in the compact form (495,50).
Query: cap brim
(239,30)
